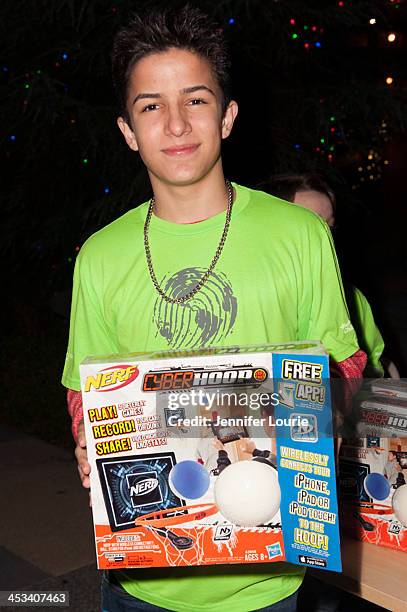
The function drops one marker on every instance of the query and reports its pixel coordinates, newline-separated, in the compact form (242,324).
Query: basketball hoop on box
(161,518)
(183,546)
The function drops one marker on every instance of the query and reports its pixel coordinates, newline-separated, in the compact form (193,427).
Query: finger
(81,435)
(84,477)
(81,454)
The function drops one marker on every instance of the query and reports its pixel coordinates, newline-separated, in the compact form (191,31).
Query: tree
(310,78)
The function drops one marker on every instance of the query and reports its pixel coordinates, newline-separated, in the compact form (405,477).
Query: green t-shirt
(369,337)
(277,280)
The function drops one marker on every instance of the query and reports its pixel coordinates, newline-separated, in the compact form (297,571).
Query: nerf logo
(186,379)
(144,486)
(223,532)
(112,378)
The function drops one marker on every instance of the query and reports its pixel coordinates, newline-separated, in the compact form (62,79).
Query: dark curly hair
(154,32)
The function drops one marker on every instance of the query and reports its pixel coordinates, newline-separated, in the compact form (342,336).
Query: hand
(246,445)
(218,444)
(82,456)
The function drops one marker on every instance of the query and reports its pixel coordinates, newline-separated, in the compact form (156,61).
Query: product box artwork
(373,467)
(210,457)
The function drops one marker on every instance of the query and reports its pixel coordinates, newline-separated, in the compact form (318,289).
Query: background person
(311,191)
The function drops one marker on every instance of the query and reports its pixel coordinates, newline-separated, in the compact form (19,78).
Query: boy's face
(176,123)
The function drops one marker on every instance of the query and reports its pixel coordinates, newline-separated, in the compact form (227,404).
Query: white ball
(399,502)
(247,493)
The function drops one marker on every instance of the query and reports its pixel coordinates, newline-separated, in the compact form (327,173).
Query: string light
(294,36)
(391,37)
(292,21)
(389,80)
(371,169)
(372,21)
(107,190)
(13,137)
(85,160)
(231,21)
(65,56)
(306,45)
(318,44)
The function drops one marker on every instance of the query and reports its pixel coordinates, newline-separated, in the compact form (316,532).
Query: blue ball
(189,479)
(377,486)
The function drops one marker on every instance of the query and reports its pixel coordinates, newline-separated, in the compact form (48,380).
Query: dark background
(310,79)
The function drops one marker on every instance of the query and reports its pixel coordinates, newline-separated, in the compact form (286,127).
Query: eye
(197,101)
(149,108)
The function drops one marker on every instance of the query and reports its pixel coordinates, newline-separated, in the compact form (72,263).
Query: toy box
(373,467)
(213,456)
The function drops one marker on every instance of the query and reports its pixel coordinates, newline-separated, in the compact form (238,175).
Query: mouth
(181,150)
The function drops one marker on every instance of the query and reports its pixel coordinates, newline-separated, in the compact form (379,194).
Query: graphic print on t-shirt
(205,319)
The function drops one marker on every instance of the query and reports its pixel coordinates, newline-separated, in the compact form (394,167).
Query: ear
(128,133)
(229,118)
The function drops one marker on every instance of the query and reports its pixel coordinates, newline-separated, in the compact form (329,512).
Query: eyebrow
(189,90)
(186,90)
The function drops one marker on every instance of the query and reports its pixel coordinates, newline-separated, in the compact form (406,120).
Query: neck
(190,203)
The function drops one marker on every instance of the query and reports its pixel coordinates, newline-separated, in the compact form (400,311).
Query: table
(372,572)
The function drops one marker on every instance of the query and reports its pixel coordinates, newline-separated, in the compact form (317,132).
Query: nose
(177,121)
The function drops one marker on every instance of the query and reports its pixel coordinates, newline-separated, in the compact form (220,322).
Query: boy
(179,272)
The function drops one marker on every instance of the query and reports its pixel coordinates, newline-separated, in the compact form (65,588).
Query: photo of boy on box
(204,263)
(394,471)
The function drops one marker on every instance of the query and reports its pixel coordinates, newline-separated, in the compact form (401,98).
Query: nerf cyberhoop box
(373,467)
(212,456)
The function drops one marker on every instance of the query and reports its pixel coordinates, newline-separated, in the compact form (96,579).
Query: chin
(181,179)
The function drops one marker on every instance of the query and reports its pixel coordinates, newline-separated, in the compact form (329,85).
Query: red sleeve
(351,371)
(75,409)
(353,366)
